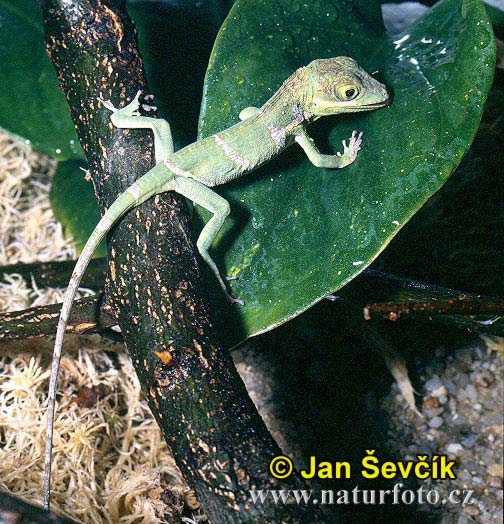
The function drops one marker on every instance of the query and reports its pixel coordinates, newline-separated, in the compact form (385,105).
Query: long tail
(98,234)
(144,188)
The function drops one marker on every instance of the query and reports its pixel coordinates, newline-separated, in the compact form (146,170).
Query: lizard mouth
(385,103)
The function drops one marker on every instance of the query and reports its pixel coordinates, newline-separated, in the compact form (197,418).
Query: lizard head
(340,85)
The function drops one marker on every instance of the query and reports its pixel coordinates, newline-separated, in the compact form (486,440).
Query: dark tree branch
(380,294)
(218,439)
(89,315)
(396,310)
(16,511)
(57,274)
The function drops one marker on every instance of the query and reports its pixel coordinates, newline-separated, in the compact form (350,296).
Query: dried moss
(110,461)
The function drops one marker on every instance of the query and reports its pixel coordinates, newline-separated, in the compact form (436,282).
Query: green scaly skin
(322,88)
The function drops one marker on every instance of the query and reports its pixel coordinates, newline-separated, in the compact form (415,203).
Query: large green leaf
(31,104)
(296,232)
(456,239)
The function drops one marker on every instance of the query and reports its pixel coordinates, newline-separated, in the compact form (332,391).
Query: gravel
(436,422)
(468,430)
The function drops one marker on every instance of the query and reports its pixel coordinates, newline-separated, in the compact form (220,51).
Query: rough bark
(396,310)
(89,315)
(55,274)
(218,439)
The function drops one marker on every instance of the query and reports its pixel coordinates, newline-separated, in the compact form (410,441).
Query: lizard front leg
(210,200)
(339,160)
(129,118)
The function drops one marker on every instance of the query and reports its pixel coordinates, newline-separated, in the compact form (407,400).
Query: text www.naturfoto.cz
(364,496)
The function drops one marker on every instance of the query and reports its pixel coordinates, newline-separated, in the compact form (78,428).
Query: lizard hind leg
(210,200)
(129,118)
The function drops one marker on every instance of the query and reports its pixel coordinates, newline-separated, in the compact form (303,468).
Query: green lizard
(322,88)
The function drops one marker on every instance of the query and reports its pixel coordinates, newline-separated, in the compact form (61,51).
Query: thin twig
(395,310)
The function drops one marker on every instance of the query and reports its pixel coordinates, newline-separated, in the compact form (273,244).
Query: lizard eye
(348,92)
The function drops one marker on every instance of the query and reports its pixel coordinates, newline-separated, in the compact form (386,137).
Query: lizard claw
(234,300)
(231,299)
(351,150)
(108,104)
(130,110)
(355,142)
